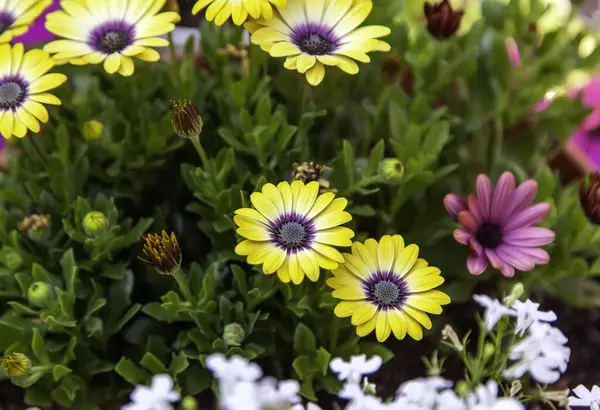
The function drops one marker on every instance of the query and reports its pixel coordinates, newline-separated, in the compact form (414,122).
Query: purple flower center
(490,235)
(292,232)
(13,91)
(385,290)
(6,21)
(112,37)
(314,39)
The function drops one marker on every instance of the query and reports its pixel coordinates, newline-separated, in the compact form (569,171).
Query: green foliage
(105,321)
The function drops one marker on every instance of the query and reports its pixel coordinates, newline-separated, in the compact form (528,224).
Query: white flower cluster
(542,352)
(158,396)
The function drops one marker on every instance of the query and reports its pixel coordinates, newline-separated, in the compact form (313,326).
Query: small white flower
(448,400)
(528,313)
(158,396)
(586,397)
(485,397)
(351,391)
(309,406)
(357,367)
(274,394)
(542,353)
(366,403)
(243,395)
(423,392)
(231,371)
(494,310)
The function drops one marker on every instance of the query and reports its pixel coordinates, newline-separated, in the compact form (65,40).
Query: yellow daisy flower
(16,16)
(312,34)
(387,289)
(112,32)
(23,88)
(291,230)
(238,10)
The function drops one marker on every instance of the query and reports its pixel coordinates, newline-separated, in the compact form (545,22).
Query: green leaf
(323,358)
(304,340)
(59,371)
(156,311)
(69,268)
(302,367)
(362,210)
(131,372)
(178,364)
(307,391)
(151,362)
(375,158)
(39,273)
(39,347)
(240,279)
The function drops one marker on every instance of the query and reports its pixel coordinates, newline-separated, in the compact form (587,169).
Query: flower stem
(201,152)
(183,285)
(173,50)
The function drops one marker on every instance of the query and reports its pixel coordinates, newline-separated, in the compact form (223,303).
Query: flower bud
(515,388)
(442,21)
(515,293)
(189,403)
(12,258)
(94,223)
(16,365)
(234,334)
(92,130)
(36,226)
(186,119)
(589,196)
(462,388)
(392,170)
(448,333)
(488,350)
(162,252)
(308,172)
(39,293)
(512,51)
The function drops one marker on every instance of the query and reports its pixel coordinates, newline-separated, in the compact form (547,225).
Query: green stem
(183,285)
(174,58)
(201,152)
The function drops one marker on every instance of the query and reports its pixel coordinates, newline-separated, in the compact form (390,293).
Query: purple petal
(461,236)
(454,204)
(528,217)
(502,195)
(499,264)
(522,197)
(538,255)
(484,195)
(475,208)
(529,237)
(465,218)
(514,257)
(477,264)
(475,246)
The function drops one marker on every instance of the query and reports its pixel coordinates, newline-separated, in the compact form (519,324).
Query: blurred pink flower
(512,50)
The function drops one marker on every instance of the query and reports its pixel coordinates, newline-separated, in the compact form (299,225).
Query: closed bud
(39,293)
(448,333)
(234,334)
(36,226)
(515,388)
(189,403)
(186,119)
(589,196)
(94,223)
(11,258)
(392,170)
(442,21)
(92,130)
(16,365)
(515,293)
(488,351)
(309,171)
(462,388)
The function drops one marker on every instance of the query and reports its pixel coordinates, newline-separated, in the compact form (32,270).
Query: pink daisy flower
(498,225)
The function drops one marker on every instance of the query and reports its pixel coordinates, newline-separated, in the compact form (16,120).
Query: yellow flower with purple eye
(292,230)
(109,32)
(312,34)
(239,11)
(385,287)
(16,16)
(24,86)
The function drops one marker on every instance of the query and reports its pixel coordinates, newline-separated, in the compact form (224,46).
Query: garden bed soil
(579,325)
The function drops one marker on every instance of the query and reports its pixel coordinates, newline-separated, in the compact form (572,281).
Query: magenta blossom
(512,50)
(498,225)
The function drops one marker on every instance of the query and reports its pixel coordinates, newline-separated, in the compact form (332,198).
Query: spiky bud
(162,252)
(94,223)
(186,119)
(16,365)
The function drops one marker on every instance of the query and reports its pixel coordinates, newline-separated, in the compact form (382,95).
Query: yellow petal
(419,316)
(296,188)
(338,236)
(398,244)
(284,49)
(112,63)
(286,195)
(413,328)
(346,64)
(335,11)
(356,265)
(365,256)
(397,323)
(423,283)
(315,10)
(258,255)
(366,33)
(385,253)
(346,308)
(252,213)
(272,193)
(307,198)
(274,260)
(19,129)
(295,271)
(348,292)
(406,259)
(315,74)
(353,19)
(267,35)
(253,8)
(382,329)
(305,61)
(214,8)
(47,82)
(363,313)
(264,205)
(331,219)
(366,328)
(148,55)
(320,204)
(284,271)
(325,262)
(308,263)
(200,4)
(247,247)
(28,120)
(45,98)
(327,251)
(37,109)
(6,124)
(126,69)
(427,301)
(254,234)
(266,11)
(223,15)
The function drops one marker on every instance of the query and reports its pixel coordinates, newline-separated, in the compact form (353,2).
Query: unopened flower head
(310,171)
(515,293)
(39,293)
(186,119)
(94,223)
(233,334)
(448,333)
(16,365)
(392,170)
(162,252)
(92,130)
(442,20)
(589,196)
(36,226)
